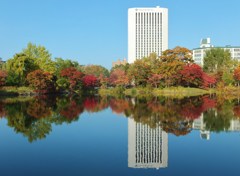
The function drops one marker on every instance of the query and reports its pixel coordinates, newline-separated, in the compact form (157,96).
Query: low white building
(205,44)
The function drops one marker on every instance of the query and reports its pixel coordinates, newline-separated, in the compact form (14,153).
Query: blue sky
(95,31)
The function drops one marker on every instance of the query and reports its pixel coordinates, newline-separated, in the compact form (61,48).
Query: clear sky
(95,31)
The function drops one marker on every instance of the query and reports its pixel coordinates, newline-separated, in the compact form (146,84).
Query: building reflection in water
(200,125)
(147,147)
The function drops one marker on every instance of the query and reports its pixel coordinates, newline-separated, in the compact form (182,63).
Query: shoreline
(174,92)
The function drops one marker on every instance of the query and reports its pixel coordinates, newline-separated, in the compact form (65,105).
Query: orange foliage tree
(74,78)
(118,77)
(3,76)
(236,75)
(41,81)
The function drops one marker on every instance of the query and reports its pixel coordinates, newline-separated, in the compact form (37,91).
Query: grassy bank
(16,91)
(170,92)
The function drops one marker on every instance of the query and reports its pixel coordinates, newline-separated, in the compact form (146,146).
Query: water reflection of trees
(34,118)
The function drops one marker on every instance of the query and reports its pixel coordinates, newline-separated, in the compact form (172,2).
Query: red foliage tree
(41,81)
(74,77)
(3,75)
(236,111)
(103,80)
(208,81)
(90,81)
(155,80)
(191,75)
(118,77)
(236,75)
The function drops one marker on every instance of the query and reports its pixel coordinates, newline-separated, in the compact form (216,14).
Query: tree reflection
(31,127)
(95,104)
(34,117)
(219,118)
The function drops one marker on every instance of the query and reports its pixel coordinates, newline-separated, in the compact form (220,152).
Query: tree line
(34,67)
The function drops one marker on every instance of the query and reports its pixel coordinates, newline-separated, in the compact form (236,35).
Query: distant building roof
(227,46)
(119,62)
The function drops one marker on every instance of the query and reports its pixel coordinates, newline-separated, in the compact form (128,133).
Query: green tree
(18,67)
(41,57)
(217,59)
(95,70)
(227,78)
(139,72)
(61,64)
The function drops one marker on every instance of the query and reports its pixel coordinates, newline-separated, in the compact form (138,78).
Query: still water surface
(109,136)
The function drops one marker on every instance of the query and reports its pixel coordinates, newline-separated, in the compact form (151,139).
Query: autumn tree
(95,70)
(90,81)
(172,61)
(61,64)
(178,53)
(41,81)
(123,67)
(118,77)
(155,80)
(139,72)
(236,75)
(209,81)
(191,75)
(103,81)
(71,79)
(3,76)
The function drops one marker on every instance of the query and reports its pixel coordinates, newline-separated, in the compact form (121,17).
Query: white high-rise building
(147,32)
(147,147)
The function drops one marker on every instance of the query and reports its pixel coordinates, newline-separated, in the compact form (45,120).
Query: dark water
(109,136)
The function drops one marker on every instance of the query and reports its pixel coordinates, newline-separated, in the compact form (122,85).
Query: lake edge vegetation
(33,71)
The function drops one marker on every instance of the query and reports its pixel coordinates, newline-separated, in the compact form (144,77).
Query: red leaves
(74,77)
(155,80)
(90,81)
(3,75)
(192,75)
(41,81)
(208,81)
(118,77)
(236,74)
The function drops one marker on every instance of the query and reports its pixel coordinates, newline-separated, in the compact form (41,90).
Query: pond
(119,136)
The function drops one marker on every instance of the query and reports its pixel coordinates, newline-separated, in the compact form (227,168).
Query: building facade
(147,147)
(205,44)
(147,32)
